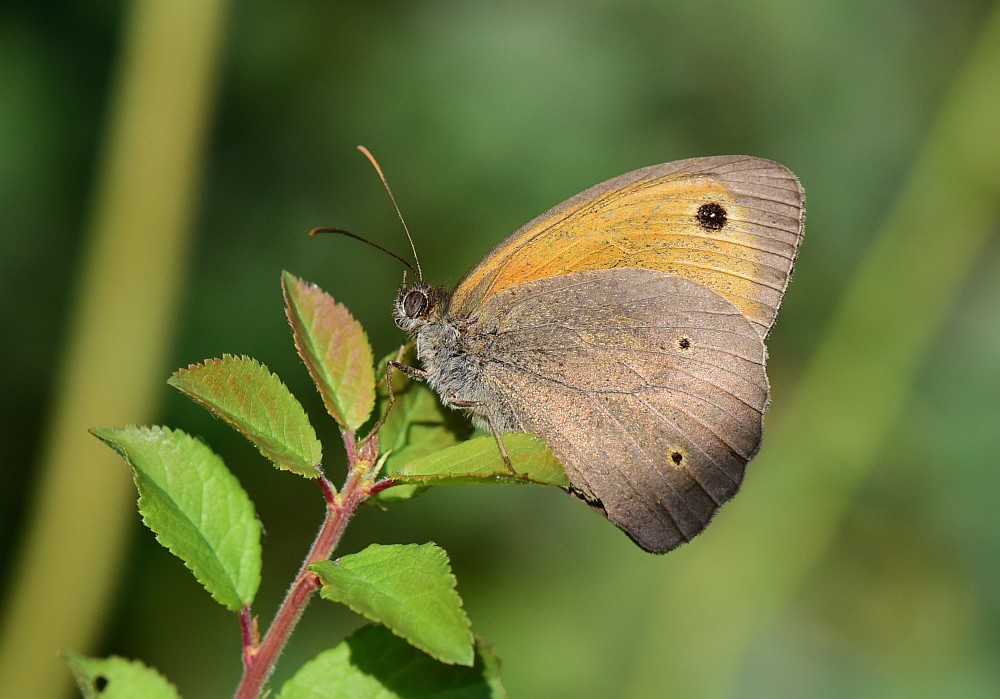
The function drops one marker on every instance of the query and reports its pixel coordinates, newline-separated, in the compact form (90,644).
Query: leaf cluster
(421,642)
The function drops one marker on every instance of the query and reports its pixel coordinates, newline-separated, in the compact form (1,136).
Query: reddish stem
(329,492)
(248,630)
(350,446)
(381,485)
(259,660)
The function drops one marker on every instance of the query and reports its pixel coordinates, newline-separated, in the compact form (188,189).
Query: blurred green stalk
(827,437)
(112,366)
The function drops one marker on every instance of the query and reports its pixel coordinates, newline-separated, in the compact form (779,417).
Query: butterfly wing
(648,387)
(730,223)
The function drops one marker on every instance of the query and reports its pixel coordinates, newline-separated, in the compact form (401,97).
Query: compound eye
(414,303)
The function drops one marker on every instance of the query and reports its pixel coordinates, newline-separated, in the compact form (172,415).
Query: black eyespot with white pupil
(414,303)
(711,216)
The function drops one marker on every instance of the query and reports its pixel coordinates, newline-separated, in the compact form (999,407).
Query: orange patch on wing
(651,224)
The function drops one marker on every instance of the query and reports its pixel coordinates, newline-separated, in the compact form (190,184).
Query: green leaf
(479,460)
(118,678)
(244,393)
(410,588)
(196,507)
(335,350)
(374,664)
(417,423)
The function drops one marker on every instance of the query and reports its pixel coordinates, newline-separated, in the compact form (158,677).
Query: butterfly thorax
(449,350)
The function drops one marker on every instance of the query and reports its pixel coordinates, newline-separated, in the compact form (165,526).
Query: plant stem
(259,660)
(381,485)
(248,629)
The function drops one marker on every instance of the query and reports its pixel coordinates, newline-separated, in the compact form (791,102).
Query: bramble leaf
(244,393)
(479,460)
(335,350)
(118,678)
(374,664)
(196,508)
(408,587)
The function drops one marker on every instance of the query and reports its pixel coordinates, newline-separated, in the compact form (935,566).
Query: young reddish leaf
(335,350)
(479,460)
(374,664)
(409,588)
(196,508)
(245,394)
(118,678)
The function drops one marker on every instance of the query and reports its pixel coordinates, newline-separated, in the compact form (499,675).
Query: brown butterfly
(625,327)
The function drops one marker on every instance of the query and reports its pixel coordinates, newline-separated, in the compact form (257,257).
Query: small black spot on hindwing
(676,457)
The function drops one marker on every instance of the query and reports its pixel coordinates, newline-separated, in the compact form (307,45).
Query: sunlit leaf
(335,350)
(244,393)
(479,460)
(374,664)
(196,507)
(408,587)
(118,678)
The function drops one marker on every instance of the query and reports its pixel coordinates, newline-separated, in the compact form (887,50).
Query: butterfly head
(417,304)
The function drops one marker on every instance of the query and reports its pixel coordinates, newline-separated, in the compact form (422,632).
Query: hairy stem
(248,630)
(259,660)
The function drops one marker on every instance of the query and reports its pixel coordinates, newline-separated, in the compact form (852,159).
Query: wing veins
(640,491)
(518,367)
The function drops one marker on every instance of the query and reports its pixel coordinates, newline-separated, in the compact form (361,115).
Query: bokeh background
(161,162)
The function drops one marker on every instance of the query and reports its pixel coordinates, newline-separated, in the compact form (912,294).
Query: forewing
(730,223)
(648,387)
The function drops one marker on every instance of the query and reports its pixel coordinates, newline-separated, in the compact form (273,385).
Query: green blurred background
(862,557)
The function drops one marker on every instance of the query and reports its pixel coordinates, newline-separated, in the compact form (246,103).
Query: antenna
(385,183)
(341,231)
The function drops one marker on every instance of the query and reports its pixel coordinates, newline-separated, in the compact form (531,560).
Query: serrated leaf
(479,460)
(374,664)
(408,587)
(335,350)
(118,678)
(417,423)
(196,508)
(244,393)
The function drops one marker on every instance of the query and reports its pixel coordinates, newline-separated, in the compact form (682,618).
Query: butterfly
(625,327)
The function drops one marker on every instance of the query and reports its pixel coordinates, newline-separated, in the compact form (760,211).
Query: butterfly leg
(503,449)
(459,403)
(411,372)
